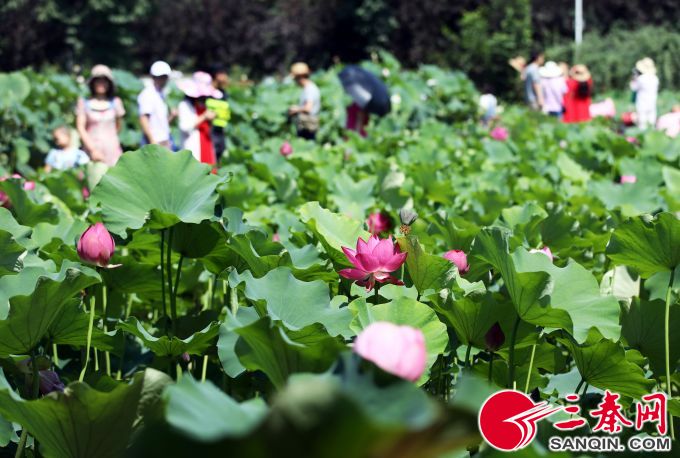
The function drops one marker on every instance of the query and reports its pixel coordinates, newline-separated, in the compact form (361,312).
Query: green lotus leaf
(195,344)
(156,187)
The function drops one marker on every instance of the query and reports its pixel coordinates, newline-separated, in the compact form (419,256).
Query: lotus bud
(49,382)
(399,350)
(628,179)
(459,258)
(494,337)
(545,250)
(286,149)
(378,222)
(96,246)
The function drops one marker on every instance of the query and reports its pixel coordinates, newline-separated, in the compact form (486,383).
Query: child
(64,156)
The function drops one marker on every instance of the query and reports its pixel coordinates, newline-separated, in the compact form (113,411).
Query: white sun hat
(160,68)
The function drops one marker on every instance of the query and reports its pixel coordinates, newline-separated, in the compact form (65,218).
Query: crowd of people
(556,89)
(566,93)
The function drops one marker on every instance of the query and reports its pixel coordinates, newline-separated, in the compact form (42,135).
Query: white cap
(160,68)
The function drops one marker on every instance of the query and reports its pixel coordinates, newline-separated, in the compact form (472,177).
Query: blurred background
(260,37)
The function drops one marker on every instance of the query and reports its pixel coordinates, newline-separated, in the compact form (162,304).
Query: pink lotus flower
(29,185)
(459,258)
(399,350)
(545,250)
(500,133)
(96,245)
(378,222)
(86,193)
(286,149)
(374,261)
(628,179)
(276,237)
(632,140)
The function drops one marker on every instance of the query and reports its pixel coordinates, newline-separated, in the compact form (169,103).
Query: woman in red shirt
(579,95)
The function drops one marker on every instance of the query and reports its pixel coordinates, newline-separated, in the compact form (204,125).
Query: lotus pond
(249,312)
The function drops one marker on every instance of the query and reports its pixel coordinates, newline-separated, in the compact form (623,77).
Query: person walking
(98,117)
(554,86)
(306,112)
(195,119)
(533,93)
(220,81)
(154,115)
(579,95)
(646,88)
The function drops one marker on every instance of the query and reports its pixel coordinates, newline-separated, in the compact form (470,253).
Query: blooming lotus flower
(459,258)
(545,250)
(96,245)
(377,222)
(399,350)
(494,337)
(49,382)
(500,133)
(628,179)
(374,261)
(286,149)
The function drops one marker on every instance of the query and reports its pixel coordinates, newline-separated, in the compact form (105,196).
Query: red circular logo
(508,419)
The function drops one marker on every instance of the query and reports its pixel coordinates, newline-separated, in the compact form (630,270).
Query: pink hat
(200,85)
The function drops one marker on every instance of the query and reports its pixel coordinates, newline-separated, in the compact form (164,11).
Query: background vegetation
(264,36)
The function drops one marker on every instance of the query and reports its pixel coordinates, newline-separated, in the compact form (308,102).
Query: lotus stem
(55,355)
(511,355)
(89,340)
(234,301)
(204,370)
(467,354)
(165,306)
(107,356)
(177,276)
(22,443)
(578,387)
(168,268)
(490,376)
(531,366)
(666,328)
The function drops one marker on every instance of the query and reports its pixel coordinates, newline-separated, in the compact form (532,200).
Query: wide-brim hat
(101,71)
(580,73)
(200,85)
(299,69)
(646,66)
(550,70)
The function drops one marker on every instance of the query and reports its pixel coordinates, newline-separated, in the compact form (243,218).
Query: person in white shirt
(306,112)
(154,115)
(646,88)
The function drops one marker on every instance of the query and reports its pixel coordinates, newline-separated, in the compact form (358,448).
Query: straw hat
(550,70)
(299,69)
(580,73)
(200,85)
(101,71)
(646,66)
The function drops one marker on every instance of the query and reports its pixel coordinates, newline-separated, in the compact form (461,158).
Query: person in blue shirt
(65,156)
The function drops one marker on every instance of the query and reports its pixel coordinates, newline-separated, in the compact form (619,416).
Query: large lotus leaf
(647,246)
(81,422)
(156,186)
(226,344)
(642,326)
(603,364)
(294,302)
(267,347)
(31,316)
(404,311)
(632,198)
(527,290)
(26,211)
(10,254)
(427,271)
(575,290)
(196,344)
(205,413)
(333,230)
